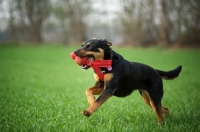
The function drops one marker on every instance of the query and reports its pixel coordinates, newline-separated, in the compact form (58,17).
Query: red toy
(78,60)
(95,64)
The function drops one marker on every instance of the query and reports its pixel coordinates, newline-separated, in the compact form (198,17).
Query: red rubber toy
(78,60)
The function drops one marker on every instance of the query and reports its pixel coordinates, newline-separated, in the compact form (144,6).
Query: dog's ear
(106,42)
(109,43)
(106,47)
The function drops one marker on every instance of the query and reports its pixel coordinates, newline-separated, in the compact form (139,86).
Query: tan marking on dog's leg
(90,92)
(158,111)
(146,98)
(102,98)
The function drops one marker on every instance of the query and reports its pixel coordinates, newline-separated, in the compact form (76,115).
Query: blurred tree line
(135,22)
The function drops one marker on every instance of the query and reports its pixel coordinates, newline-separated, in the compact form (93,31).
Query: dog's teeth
(91,59)
(83,67)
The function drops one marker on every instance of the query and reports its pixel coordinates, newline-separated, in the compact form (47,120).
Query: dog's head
(94,49)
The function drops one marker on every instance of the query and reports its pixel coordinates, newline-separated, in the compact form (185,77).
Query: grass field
(42,89)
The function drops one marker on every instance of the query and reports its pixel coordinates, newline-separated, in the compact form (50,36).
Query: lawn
(42,89)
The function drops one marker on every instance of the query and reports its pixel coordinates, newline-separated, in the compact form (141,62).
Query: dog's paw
(86,113)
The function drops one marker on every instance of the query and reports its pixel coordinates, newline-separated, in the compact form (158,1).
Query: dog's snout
(76,51)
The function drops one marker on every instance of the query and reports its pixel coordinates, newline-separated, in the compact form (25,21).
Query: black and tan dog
(124,77)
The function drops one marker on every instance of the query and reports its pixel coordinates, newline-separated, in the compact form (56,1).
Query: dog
(123,78)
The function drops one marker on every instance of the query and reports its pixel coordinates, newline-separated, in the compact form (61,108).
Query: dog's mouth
(91,56)
(85,66)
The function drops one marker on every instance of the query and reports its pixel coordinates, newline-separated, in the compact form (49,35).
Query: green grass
(42,89)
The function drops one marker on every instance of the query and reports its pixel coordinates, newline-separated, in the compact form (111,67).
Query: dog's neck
(108,54)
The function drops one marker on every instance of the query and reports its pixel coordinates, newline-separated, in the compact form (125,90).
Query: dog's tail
(170,74)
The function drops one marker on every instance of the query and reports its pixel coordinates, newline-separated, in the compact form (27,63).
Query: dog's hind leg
(158,110)
(165,111)
(146,98)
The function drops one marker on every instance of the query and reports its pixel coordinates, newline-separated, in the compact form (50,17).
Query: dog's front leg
(95,90)
(90,92)
(107,93)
